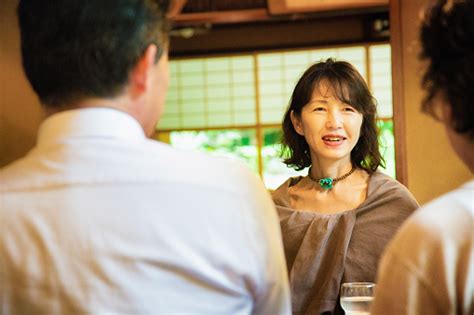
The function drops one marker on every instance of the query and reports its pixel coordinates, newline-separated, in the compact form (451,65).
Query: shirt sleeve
(271,289)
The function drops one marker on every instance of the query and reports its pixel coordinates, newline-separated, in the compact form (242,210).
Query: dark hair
(73,49)
(447,40)
(350,88)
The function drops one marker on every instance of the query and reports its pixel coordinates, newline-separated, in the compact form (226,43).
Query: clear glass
(356,297)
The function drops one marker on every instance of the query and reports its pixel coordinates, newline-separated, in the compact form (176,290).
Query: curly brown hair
(447,40)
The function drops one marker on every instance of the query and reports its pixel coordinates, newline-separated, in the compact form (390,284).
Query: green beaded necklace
(328,182)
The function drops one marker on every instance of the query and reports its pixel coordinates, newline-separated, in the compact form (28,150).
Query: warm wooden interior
(431,166)
(283,34)
(420,141)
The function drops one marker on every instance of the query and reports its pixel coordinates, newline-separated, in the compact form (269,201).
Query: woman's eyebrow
(321,100)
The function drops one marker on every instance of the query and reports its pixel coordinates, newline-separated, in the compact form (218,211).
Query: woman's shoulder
(379,176)
(289,182)
(381,181)
(280,195)
(385,188)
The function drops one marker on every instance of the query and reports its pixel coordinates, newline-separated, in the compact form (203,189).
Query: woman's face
(331,128)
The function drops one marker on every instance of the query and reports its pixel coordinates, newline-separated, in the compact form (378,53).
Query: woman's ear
(296,121)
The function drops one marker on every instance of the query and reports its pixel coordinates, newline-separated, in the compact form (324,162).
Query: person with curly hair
(429,266)
(336,220)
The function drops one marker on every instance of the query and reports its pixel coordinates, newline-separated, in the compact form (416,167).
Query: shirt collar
(89,122)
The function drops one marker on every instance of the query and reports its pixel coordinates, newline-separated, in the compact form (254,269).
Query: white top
(429,266)
(99,219)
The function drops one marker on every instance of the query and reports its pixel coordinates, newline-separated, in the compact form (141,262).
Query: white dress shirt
(99,219)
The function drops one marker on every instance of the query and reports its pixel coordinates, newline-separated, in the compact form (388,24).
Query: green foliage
(240,144)
(272,136)
(387,145)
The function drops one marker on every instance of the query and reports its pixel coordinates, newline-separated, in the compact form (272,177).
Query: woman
(337,220)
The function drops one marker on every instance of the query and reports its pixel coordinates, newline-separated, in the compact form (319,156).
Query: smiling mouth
(334,139)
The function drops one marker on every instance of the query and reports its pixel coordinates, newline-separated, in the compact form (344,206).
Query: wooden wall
(432,168)
(20,111)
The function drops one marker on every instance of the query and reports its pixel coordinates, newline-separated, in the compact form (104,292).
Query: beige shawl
(323,251)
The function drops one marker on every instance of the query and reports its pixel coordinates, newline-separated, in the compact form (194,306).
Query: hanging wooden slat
(217,17)
(176,8)
(299,6)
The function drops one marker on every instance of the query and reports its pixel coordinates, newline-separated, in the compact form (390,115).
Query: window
(234,105)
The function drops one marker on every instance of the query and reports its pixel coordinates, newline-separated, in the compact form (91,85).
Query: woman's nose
(333,120)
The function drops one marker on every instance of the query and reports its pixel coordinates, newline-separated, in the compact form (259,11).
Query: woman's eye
(349,109)
(319,109)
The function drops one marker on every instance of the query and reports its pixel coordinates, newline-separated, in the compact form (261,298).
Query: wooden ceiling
(192,12)
(195,6)
(204,27)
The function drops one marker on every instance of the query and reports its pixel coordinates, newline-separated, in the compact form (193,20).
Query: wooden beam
(220,17)
(246,37)
(398,96)
(176,8)
(298,6)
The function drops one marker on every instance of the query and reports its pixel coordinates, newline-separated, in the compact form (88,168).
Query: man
(99,219)
(429,267)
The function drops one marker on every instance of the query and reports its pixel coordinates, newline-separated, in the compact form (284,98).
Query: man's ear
(296,121)
(446,114)
(141,74)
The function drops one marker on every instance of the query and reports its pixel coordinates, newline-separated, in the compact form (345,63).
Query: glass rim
(353,284)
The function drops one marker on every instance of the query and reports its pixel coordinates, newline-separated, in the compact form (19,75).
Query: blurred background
(233,66)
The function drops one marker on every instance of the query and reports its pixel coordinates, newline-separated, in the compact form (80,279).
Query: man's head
(88,49)
(447,40)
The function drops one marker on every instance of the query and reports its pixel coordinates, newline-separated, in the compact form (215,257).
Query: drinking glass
(356,297)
